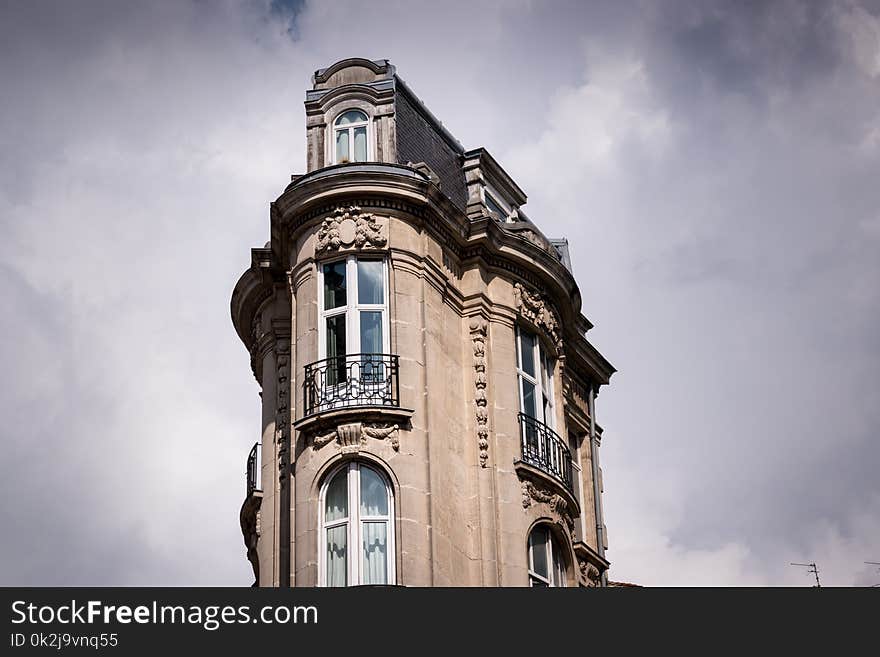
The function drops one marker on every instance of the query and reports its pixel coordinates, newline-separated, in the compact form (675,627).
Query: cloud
(714,168)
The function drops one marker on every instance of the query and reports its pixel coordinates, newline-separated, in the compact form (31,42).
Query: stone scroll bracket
(479,330)
(538,311)
(351,228)
(589,574)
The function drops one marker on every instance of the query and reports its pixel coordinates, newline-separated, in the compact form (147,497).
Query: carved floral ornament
(479,330)
(557,505)
(350,228)
(351,437)
(534,308)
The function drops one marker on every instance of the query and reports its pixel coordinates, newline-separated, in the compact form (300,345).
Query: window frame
(331,142)
(354,522)
(506,211)
(556,567)
(545,367)
(352,308)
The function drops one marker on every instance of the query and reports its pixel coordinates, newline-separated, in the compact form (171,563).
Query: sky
(714,166)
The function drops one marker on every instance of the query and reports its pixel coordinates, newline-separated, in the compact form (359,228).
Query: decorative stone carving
(537,240)
(479,330)
(250,528)
(350,437)
(282,416)
(256,335)
(350,228)
(383,431)
(538,311)
(589,574)
(556,503)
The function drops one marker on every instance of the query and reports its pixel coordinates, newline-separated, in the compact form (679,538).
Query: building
(428,391)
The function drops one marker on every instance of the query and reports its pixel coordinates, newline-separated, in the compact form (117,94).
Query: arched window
(546,565)
(357,536)
(350,137)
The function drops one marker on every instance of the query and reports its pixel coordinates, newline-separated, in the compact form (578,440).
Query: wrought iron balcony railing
(253,470)
(351,381)
(544,449)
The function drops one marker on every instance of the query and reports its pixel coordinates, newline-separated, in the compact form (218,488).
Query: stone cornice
(403,193)
(316,107)
(379,67)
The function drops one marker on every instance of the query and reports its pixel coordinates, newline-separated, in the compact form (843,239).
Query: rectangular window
(353,306)
(535,375)
(354,343)
(496,206)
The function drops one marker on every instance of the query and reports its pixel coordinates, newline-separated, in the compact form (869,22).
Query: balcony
(252,474)
(544,450)
(250,508)
(352,381)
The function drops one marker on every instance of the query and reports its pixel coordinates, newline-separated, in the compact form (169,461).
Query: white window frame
(544,369)
(352,308)
(368,123)
(555,567)
(354,522)
(490,193)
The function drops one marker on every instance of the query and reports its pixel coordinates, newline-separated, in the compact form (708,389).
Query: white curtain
(337,556)
(360,144)
(375,553)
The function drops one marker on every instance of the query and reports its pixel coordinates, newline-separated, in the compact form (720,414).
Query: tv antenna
(874,563)
(813,569)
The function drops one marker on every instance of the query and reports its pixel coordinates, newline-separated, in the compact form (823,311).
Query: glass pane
(493,205)
(537,583)
(538,545)
(374,495)
(527,352)
(337,556)
(336,369)
(342,146)
(370,281)
(360,144)
(351,116)
(371,332)
(528,390)
(546,372)
(375,568)
(336,503)
(334,285)
(558,565)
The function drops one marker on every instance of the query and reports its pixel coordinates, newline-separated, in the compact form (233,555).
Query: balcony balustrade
(351,381)
(545,450)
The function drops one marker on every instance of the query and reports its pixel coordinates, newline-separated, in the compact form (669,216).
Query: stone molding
(534,308)
(479,331)
(352,436)
(350,228)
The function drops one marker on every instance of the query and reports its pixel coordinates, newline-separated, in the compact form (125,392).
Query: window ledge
(336,416)
(527,471)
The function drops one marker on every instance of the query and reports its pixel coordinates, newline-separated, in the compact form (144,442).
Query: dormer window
(493,204)
(350,137)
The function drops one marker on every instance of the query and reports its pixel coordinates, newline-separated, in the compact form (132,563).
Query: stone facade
(461,282)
